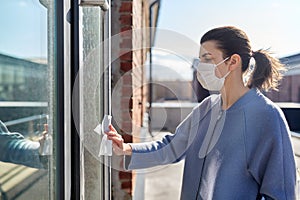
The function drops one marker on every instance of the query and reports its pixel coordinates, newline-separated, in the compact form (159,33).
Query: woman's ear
(235,61)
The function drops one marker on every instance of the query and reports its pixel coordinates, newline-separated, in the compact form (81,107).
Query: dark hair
(231,40)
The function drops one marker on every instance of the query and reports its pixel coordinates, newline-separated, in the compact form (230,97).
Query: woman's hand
(119,147)
(42,138)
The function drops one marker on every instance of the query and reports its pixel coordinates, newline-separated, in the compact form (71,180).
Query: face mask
(207,77)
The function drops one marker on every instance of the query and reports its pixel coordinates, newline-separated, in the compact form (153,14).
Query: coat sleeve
(170,149)
(16,149)
(272,162)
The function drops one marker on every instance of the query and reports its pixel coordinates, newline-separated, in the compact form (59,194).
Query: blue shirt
(14,148)
(244,152)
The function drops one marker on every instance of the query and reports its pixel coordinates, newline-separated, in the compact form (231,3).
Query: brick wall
(129,92)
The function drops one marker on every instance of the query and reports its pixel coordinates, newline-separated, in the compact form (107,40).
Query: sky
(270,24)
(23,28)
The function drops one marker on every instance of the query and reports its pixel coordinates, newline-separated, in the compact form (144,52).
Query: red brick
(126,19)
(126,28)
(127,102)
(126,43)
(127,137)
(126,66)
(127,91)
(126,7)
(125,175)
(126,34)
(127,115)
(126,97)
(126,184)
(127,131)
(126,124)
(124,50)
(127,79)
(126,57)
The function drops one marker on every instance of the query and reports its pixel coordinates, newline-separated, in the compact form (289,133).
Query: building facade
(289,89)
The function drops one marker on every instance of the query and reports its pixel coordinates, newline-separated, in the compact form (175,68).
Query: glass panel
(91,97)
(25,85)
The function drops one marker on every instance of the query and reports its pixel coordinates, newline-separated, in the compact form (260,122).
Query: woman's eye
(207,60)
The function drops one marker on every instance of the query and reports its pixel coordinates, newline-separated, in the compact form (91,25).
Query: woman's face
(209,53)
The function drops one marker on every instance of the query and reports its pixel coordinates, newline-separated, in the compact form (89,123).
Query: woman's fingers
(111,133)
(116,139)
(112,128)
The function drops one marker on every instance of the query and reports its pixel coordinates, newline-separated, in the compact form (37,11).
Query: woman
(236,145)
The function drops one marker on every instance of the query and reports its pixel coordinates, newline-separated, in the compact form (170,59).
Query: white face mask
(207,77)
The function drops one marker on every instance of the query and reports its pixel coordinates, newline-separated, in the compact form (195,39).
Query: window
(27,99)
(42,45)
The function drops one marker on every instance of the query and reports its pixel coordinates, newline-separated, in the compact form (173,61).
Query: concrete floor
(164,183)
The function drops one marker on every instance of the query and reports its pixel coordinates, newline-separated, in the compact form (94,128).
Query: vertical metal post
(107,92)
(150,62)
(106,52)
(59,100)
(150,72)
(75,138)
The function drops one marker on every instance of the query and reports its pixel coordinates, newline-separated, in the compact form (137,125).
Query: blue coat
(244,152)
(14,148)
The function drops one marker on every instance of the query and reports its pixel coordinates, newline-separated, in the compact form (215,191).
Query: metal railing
(19,104)
(26,119)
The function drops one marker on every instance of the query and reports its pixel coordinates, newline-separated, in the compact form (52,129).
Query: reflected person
(16,149)
(236,144)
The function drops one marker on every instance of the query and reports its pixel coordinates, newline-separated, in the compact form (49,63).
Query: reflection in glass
(24,100)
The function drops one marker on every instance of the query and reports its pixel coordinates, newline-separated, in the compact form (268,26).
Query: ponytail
(268,71)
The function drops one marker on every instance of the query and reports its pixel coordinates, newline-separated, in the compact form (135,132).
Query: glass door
(27,99)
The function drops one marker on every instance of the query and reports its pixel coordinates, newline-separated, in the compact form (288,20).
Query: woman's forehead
(209,48)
